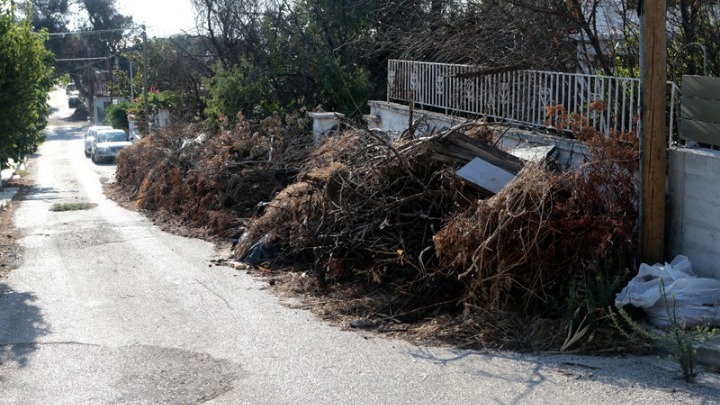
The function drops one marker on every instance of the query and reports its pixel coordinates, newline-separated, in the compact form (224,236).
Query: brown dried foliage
(387,215)
(365,208)
(210,182)
(400,230)
(547,239)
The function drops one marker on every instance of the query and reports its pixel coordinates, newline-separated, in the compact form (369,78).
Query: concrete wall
(324,124)
(694,208)
(393,118)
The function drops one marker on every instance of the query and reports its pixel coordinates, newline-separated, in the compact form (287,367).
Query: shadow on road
(37,193)
(21,323)
(529,373)
(64,133)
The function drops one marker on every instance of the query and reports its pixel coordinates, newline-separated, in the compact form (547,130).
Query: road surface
(108,309)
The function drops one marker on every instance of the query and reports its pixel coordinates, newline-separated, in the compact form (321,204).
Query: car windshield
(115,136)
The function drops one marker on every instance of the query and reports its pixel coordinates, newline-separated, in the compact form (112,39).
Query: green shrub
(116,115)
(233,91)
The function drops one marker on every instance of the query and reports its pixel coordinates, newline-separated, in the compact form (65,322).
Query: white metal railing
(563,101)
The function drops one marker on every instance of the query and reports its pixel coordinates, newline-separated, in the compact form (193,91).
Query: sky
(162,17)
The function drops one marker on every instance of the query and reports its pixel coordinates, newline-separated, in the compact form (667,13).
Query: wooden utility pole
(145,81)
(653,131)
(110,78)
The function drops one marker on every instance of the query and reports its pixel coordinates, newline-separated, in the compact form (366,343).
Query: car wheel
(93,158)
(87,154)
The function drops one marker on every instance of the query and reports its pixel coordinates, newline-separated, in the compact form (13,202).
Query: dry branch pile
(548,240)
(366,208)
(211,182)
(394,214)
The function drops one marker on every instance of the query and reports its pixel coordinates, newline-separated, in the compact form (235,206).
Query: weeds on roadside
(74,206)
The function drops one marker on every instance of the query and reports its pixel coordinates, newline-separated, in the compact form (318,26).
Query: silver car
(90,137)
(107,144)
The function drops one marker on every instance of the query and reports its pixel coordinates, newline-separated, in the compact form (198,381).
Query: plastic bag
(694,300)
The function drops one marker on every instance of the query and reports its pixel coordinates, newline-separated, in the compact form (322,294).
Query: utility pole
(145,83)
(653,130)
(110,78)
(132,85)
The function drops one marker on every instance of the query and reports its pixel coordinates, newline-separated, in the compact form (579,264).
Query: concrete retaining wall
(694,208)
(393,118)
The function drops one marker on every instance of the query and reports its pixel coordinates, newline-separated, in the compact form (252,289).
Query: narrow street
(108,309)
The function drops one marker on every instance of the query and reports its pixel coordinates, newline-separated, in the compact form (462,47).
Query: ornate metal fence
(563,101)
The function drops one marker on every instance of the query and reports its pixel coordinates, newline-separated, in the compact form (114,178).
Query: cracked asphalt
(108,309)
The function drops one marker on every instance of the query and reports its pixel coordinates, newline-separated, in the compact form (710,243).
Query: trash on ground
(689,299)
(536,154)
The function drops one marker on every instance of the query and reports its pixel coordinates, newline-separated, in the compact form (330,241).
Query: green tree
(232,91)
(178,65)
(25,79)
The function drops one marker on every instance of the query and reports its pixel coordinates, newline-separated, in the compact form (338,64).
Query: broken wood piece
(463,149)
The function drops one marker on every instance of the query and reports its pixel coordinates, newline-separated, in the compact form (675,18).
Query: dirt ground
(10,250)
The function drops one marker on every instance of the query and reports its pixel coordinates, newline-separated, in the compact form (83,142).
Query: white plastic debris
(691,300)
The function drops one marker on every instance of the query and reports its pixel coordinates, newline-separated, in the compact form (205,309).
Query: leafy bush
(230,92)
(344,88)
(156,100)
(116,115)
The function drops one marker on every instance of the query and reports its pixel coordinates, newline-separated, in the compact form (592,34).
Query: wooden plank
(701,87)
(700,131)
(700,109)
(654,131)
(491,154)
(460,149)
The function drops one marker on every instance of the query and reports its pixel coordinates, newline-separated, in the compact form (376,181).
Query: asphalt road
(108,309)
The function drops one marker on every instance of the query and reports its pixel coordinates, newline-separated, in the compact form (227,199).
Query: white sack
(696,299)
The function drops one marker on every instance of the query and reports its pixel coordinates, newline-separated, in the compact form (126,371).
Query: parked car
(107,144)
(74,102)
(90,137)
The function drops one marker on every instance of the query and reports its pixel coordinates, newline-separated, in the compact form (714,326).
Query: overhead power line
(62,34)
(85,59)
(81,59)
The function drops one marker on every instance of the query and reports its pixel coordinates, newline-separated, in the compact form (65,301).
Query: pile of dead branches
(365,208)
(391,223)
(395,214)
(550,242)
(212,182)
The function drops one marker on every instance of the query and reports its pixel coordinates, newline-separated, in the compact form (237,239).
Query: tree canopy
(254,56)
(25,79)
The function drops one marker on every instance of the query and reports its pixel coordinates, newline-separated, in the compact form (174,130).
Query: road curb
(708,354)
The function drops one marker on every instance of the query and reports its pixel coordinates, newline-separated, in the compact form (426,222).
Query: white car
(107,144)
(90,137)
